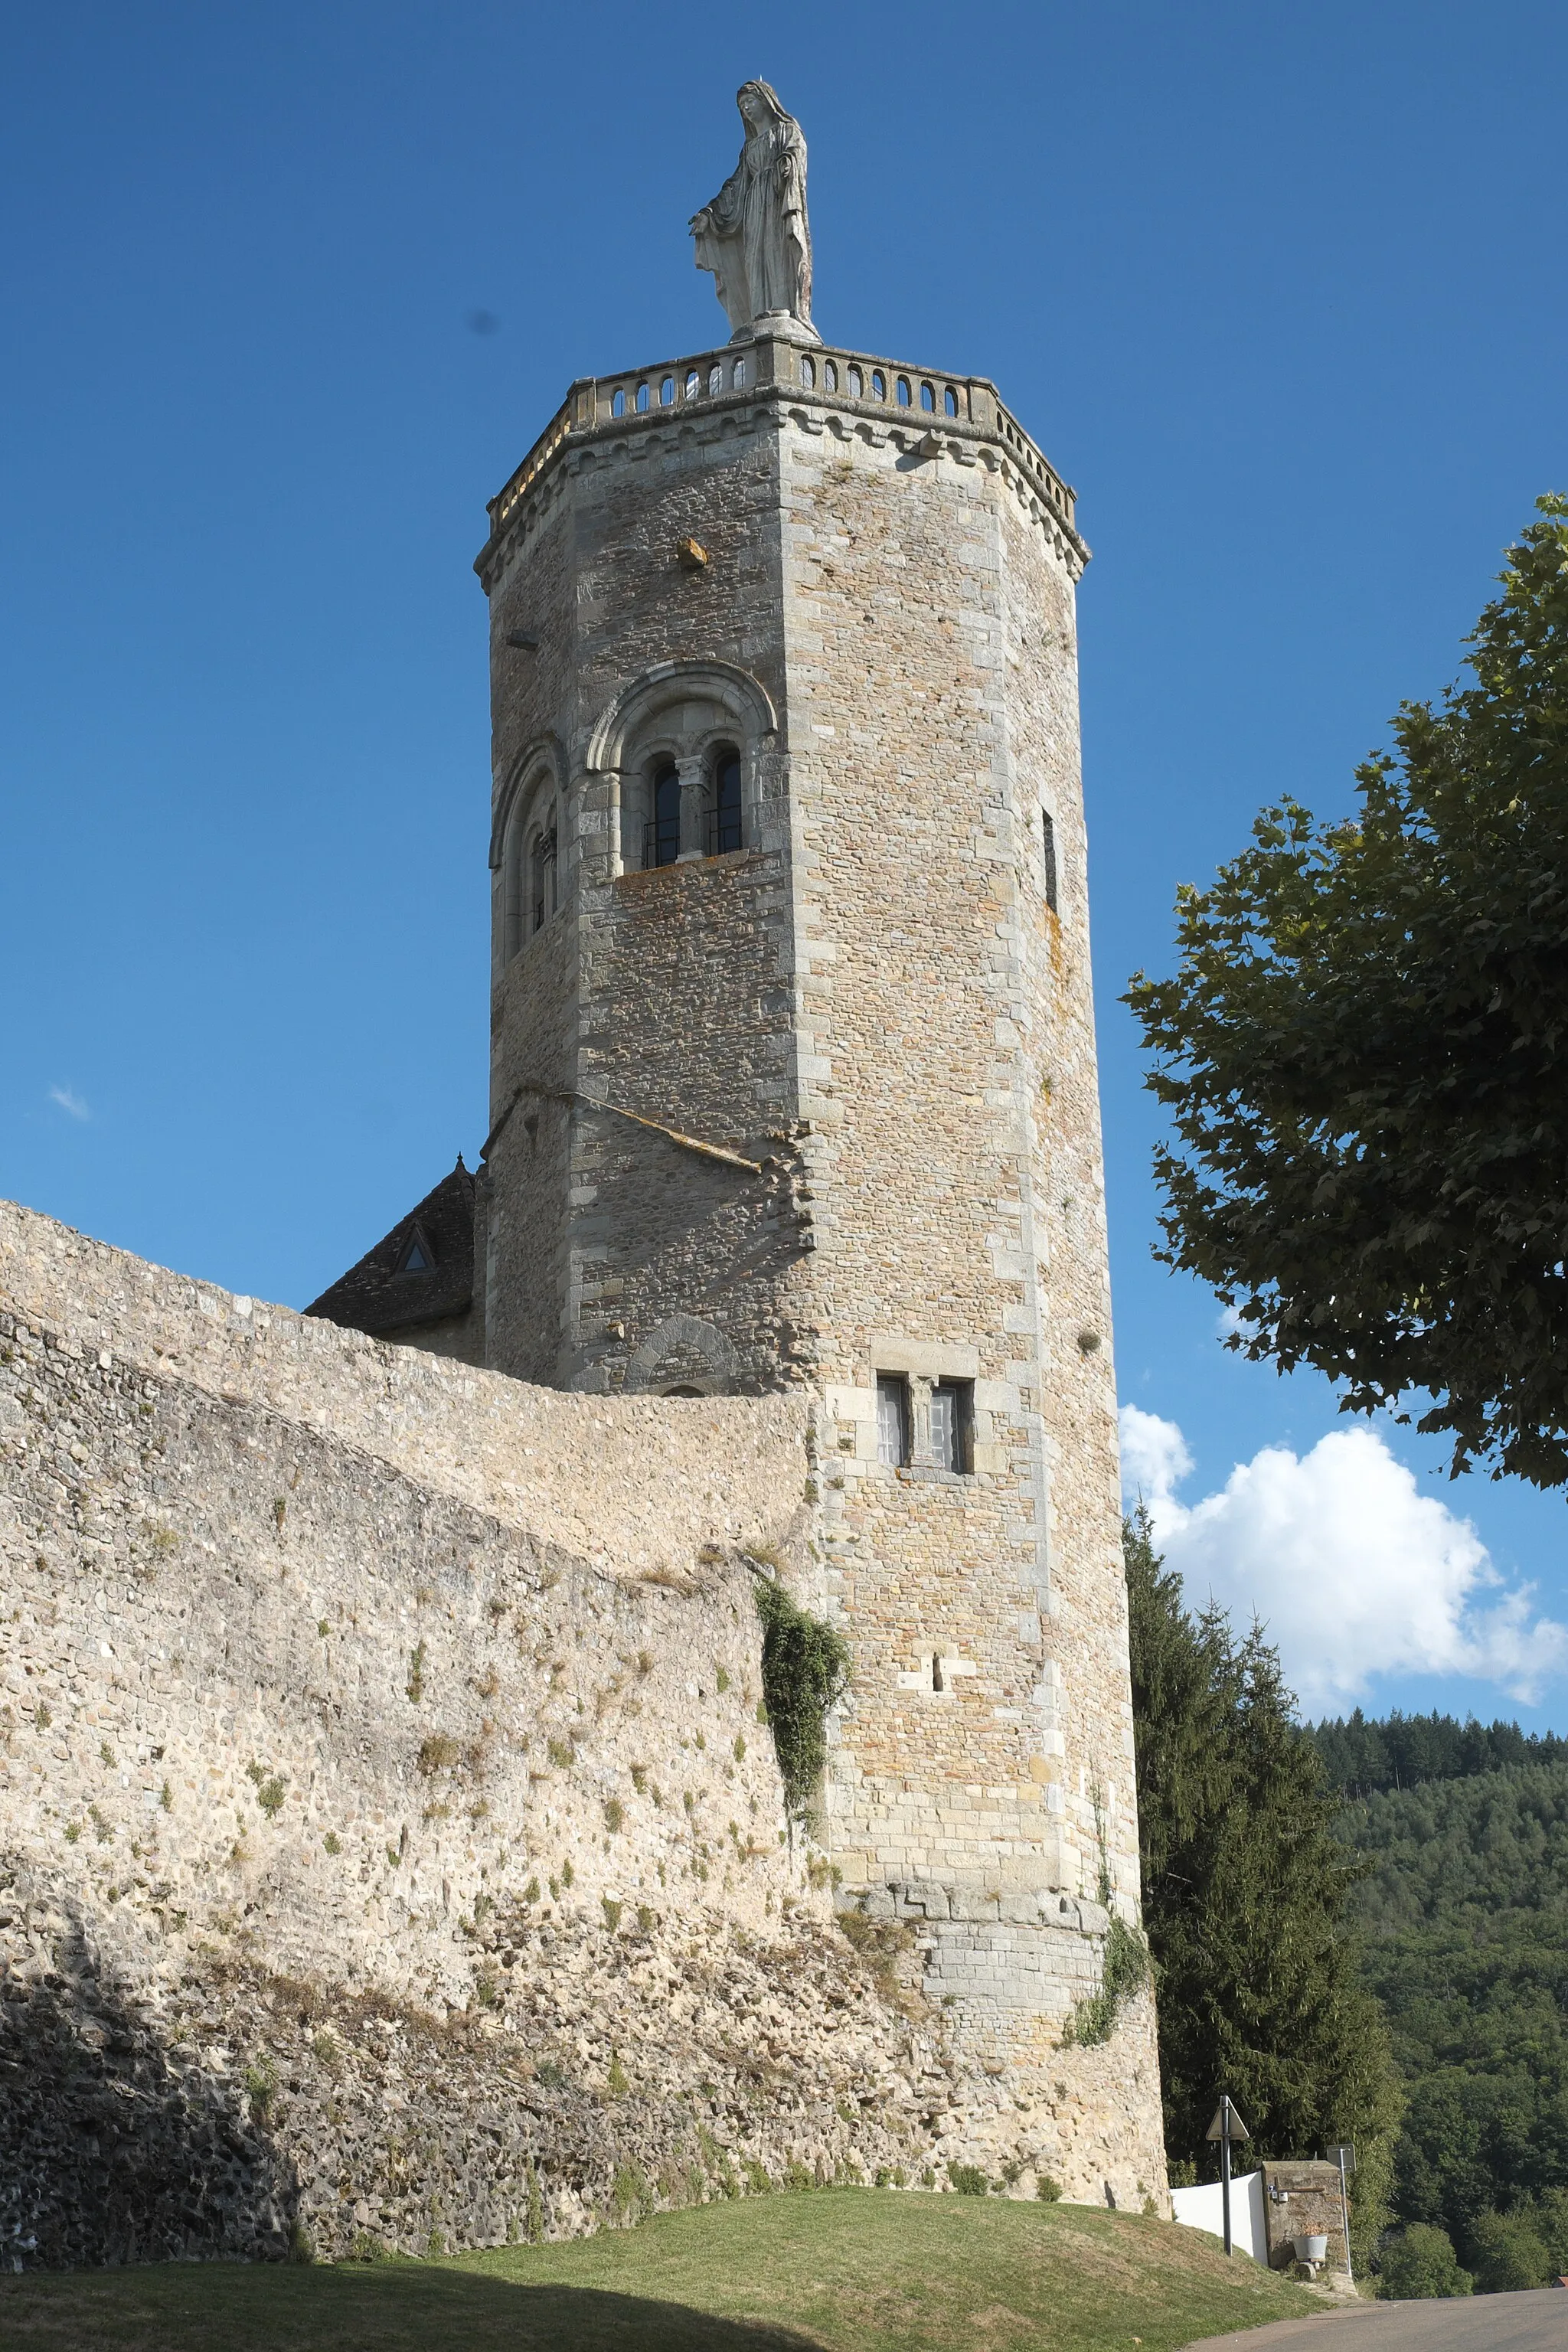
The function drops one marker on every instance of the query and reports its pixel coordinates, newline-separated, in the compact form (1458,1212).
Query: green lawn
(854,2269)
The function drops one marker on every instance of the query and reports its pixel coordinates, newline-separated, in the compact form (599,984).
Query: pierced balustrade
(844,378)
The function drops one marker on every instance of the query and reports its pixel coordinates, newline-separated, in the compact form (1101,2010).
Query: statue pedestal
(777,326)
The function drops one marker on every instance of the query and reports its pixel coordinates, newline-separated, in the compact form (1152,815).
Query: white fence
(1201,2209)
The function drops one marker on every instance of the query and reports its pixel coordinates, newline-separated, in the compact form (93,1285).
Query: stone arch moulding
(694,1353)
(633,709)
(540,750)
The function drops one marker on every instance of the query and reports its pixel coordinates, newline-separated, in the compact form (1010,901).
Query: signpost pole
(1345,2156)
(1227,2126)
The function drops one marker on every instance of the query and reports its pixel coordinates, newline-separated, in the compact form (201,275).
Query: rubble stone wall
(390,1850)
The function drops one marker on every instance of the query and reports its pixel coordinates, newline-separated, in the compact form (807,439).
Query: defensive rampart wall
(390,1850)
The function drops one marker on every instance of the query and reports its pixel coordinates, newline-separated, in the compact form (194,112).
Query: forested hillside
(1465,1921)
(1403,1751)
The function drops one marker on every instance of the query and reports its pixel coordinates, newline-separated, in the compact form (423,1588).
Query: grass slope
(852,2270)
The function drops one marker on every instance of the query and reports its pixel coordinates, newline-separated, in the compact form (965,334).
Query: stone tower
(794,1081)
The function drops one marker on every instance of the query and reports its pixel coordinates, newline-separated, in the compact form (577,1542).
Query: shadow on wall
(405,2308)
(114,2147)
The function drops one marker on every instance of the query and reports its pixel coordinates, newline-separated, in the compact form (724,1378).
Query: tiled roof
(379,1297)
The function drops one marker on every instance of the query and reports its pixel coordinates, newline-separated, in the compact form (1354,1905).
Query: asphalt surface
(1537,2322)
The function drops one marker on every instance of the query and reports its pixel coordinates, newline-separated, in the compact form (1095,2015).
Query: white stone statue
(754,236)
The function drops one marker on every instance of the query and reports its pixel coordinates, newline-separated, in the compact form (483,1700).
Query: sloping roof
(379,1294)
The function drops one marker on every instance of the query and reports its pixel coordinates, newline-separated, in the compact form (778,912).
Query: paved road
(1480,2323)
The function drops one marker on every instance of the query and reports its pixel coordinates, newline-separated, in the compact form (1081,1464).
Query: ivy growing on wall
(1122,1973)
(1124,1966)
(806,1671)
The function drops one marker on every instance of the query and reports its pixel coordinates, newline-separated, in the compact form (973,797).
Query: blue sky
(1280,291)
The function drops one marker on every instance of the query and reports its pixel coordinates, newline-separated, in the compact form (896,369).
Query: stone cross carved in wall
(754,236)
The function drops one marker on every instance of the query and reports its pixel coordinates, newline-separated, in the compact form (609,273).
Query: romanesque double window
(684,751)
(706,805)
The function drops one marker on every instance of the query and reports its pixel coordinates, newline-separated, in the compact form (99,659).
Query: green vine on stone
(806,1671)
(1124,1970)
(1122,1973)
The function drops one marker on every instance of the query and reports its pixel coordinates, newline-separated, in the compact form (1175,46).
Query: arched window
(696,733)
(857,383)
(807,371)
(829,376)
(879,385)
(903,391)
(928,398)
(618,405)
(950,401)
(542,880)
(724,808)
(524,854)
(661,834)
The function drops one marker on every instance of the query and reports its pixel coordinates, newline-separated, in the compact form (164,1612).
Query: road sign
(1227,2126)
(1343,2155)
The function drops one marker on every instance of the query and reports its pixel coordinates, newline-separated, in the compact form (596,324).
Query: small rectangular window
(1049,856)
(952,1423)
(892,1419)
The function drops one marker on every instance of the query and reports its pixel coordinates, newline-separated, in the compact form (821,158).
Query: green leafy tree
(1421,2262)
(1244,1889)
(1362,1054)
(1509,2253)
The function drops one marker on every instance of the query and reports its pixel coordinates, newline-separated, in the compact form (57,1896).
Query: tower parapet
(880,392)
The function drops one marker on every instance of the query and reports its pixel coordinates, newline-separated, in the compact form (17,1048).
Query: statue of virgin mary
(754,236)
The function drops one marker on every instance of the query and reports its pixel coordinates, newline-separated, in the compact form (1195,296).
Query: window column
(940,1426)
(693,799)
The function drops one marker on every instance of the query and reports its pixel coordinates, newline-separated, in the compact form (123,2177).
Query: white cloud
(1154,1459)
(70,1101)
(1352,1569)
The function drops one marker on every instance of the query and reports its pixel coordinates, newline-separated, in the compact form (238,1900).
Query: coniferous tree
(1244,1889)
(1402,1751)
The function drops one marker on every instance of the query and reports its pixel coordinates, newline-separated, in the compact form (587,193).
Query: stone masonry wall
(893,998)
(948,1039)
(390,1850)
(680,1008)
(525,1252)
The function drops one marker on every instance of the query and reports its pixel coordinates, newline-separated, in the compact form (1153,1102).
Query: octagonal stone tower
(793,1080)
